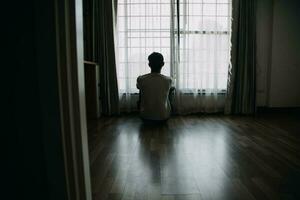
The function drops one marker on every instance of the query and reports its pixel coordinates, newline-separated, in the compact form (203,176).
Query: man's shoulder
(142,77)
(150,76)
(165,77)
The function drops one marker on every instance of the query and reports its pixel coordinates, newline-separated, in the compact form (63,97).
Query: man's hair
(156,61)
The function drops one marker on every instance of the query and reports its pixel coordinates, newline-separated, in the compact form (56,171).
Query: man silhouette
(155,89)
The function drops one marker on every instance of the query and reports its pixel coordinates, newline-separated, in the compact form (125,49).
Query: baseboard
(265,109)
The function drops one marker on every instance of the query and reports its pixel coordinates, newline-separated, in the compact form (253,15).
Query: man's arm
(138,103)
(171,97)
(171,93)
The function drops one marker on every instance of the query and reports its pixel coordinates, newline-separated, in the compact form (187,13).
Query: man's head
(156,61)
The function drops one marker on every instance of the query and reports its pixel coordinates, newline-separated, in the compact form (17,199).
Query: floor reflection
(193,157)
(177,161)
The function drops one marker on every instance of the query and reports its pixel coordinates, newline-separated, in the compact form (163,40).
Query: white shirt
(154,90)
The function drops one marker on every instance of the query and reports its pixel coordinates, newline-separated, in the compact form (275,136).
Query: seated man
(154,89)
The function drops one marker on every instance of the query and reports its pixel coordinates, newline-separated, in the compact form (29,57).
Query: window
(192,35)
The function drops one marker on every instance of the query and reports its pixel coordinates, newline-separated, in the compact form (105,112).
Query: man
(155,88)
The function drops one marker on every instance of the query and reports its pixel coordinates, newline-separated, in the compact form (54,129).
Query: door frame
(70,64)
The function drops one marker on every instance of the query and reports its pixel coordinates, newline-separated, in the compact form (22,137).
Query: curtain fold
(241,93)
(202,53)
(104,22)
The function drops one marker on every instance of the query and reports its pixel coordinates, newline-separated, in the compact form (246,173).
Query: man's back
(154,91)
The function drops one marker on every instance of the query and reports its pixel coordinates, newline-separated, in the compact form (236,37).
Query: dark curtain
(241,93)
(88,26)
(104,23)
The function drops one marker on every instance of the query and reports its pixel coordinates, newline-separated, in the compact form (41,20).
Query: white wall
(285,71)
(264,49)
(278,53)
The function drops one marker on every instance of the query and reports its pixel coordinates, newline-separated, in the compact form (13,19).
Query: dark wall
(285,66)
(33,158)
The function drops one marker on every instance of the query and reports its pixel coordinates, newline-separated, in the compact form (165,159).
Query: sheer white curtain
(143,27)
(203,55)
(194,38)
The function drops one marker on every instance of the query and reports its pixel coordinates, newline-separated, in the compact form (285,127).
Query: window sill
(186,92)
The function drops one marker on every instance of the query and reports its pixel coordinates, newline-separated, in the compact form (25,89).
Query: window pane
(204,44)
(144,29)
(209,9)
(144,26)
(222,9)
(223,24)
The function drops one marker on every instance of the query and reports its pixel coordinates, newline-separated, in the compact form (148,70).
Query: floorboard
(211,157)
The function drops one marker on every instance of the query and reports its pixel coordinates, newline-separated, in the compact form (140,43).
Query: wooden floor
(196,157)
